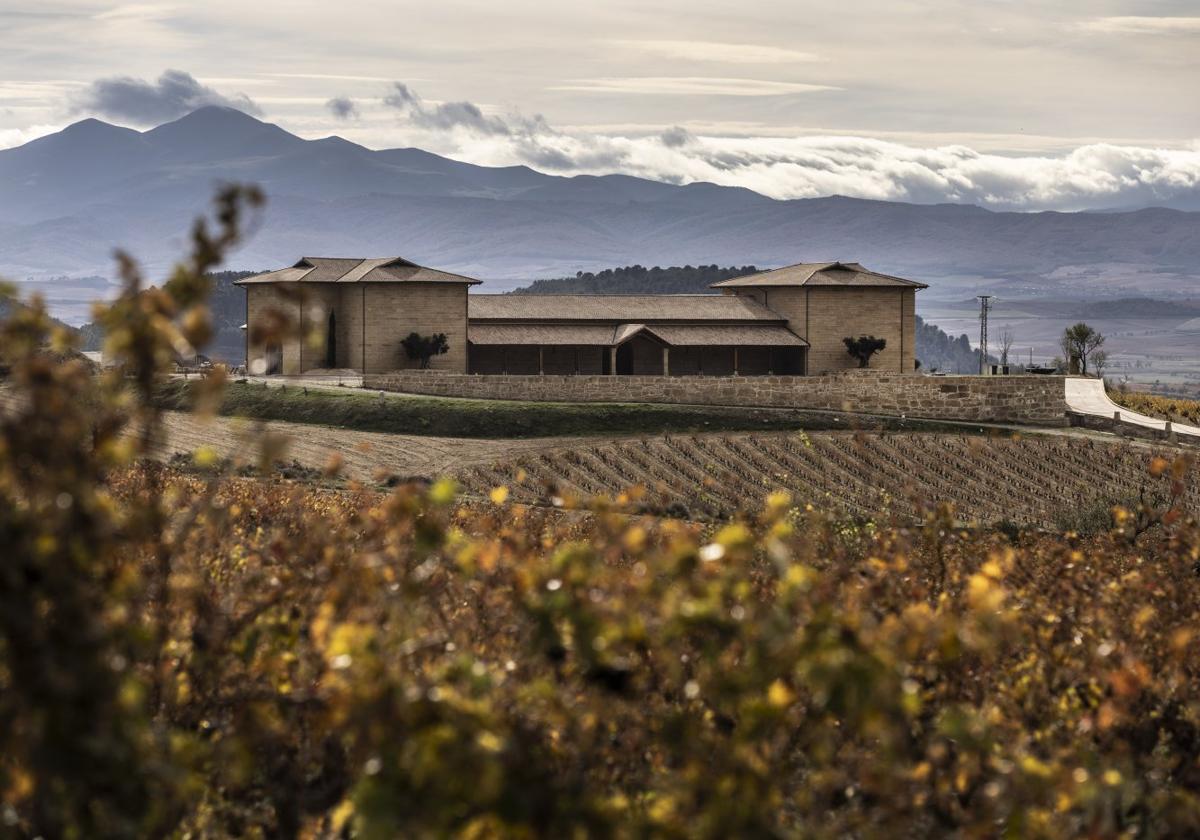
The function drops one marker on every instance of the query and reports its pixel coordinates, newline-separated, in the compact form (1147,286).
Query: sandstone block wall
(394,310)
(824,315)
(1035,400)
(264,303)
(387,313)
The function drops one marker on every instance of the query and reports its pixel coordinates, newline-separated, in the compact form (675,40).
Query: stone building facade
(324,313)
(354,313)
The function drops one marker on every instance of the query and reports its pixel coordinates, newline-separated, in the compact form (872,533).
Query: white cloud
(1090,176)
(720,52)
(137,11)
(1067,177)
(10,137)
(330,76)
(689,86)
(39,91)
(1144,25)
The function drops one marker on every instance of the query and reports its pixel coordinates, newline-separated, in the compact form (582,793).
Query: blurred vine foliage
(229,657)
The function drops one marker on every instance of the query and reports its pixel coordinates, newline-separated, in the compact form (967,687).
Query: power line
(985,305)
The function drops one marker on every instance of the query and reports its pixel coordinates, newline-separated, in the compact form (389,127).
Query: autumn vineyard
(866,634)
(1034,481)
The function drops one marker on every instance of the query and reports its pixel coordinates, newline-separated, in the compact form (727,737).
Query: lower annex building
(356,312)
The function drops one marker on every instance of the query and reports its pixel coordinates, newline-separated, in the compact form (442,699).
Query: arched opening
(331,342)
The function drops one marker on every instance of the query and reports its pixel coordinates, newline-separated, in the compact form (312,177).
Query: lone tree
(422,348)
(864,347)
(1079,344)
(1006,343)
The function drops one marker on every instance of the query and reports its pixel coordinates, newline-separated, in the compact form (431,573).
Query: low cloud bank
(1092,176)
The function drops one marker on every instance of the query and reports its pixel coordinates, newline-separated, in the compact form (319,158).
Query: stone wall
(266,303)
(389,311)
(1037,400)
(393,310)
(825,315)
(1125,428)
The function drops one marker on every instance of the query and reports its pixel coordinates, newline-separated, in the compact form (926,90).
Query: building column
(541,362)
(666,361)
(612,361)
(735,361)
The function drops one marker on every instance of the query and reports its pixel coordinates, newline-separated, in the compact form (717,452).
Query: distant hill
(939,351)
(68,198)
(227,304)
(1139,307)
(8,305)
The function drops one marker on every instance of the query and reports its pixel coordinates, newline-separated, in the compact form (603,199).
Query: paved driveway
(1087,396)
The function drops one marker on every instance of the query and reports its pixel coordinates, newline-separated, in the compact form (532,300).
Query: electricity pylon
(985,304)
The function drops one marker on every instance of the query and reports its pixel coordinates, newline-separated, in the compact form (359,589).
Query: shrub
(422,348)
(205,655)
(864,347)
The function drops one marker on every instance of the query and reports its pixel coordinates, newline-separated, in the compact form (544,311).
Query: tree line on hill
(637,279)
(227,305)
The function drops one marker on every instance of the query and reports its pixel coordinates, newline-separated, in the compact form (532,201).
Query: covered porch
(635,350)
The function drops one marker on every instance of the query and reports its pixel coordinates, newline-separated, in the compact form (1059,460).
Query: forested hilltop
(936,349)
(637,279)
(227,304)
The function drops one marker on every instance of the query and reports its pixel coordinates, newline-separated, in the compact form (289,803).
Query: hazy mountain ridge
(69,198)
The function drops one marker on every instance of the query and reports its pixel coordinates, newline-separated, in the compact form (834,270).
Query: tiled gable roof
(820,274)
(603,335)
(618,308)
(344,270)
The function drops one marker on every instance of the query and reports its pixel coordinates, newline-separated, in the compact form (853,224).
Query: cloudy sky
(1009,103)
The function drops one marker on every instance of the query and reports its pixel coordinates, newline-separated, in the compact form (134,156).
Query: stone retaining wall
(1035,400)
(1125,428)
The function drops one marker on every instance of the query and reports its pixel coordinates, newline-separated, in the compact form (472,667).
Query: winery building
(354,314)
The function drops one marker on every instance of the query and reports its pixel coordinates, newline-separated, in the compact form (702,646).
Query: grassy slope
(354,409)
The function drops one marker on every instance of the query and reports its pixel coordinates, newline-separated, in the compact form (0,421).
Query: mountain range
(67,199)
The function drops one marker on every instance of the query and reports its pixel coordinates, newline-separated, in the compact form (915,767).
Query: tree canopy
(1080,344)
(864,347)
(422,348)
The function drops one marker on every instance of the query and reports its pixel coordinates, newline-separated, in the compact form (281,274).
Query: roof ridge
(598,294)
(805,274)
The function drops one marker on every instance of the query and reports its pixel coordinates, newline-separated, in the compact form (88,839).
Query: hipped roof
(820,274)
(356,270)
(618,308)
(674,335)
